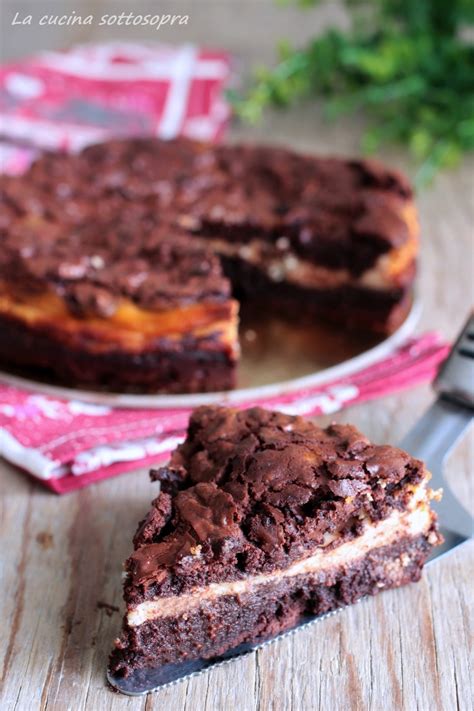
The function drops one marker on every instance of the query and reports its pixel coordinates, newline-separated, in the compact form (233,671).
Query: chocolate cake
(262,520)
(108,267)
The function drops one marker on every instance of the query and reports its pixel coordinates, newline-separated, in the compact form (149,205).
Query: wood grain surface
(403,650)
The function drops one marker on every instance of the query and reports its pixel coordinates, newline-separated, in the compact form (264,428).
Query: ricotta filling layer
(295,270)
(130,327)
(282,264)
(400,524)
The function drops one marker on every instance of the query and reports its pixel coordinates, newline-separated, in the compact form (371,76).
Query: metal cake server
(435,435)
(431,439)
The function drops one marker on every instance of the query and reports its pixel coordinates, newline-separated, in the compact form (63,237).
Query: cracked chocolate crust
(251,491)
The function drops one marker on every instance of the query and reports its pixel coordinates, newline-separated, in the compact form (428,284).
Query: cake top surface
(116,199)
(102,263)
(251,490)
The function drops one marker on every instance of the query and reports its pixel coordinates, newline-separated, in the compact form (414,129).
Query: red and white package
(67,100)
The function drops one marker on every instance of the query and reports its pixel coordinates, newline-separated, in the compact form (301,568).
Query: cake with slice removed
(121,266)
(263,519)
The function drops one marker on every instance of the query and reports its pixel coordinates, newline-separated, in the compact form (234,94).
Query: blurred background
(407,66)
(249,28)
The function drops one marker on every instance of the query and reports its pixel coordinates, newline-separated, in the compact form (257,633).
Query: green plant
(406,63)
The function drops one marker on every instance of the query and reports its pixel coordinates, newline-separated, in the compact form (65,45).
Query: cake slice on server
(263,520)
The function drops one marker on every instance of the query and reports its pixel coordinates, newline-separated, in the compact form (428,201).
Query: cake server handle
(437,432)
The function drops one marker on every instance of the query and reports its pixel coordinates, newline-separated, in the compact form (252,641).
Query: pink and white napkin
(70,444)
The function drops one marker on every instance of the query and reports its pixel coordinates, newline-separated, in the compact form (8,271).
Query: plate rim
(230,397)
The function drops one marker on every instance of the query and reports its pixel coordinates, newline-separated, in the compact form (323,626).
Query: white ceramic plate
(277,359)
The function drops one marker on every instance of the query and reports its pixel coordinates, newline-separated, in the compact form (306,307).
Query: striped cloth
(68,100)
(68,444)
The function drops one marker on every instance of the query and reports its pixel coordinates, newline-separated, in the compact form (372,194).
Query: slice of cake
(108,267)
(262,520)
(105,308)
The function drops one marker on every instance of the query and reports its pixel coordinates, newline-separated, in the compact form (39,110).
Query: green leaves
(410,72)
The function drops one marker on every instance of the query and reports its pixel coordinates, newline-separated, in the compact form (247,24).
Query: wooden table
(406,649)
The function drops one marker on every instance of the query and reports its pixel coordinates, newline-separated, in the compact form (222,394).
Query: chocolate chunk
(152,525)
(210,512)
